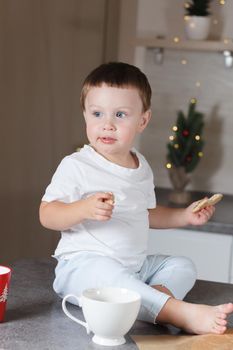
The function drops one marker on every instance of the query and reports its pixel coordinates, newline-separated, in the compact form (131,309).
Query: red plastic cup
(5,275)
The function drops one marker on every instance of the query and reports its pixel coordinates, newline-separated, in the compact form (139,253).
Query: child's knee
(187,267)
(187,272)
(191,268)
(183,277)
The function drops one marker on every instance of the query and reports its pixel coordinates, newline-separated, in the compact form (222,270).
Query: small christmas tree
(198,8)
(184,151)
(185,146)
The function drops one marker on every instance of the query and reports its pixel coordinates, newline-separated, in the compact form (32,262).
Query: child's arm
(60,216)
(164,217)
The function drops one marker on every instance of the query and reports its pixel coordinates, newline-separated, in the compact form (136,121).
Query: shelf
(225,47)
(190,45)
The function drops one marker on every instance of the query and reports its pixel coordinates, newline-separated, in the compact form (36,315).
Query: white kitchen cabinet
(210,252)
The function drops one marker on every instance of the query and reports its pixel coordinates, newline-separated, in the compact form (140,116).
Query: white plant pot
(197,27)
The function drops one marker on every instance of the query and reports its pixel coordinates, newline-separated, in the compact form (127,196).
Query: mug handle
(84,324)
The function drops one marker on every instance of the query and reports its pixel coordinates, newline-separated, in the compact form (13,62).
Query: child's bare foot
(195,318)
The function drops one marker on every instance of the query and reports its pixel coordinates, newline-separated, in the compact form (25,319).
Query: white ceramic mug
(109,313)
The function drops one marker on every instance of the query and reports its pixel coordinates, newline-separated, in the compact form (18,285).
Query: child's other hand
(99,206)
(200,217)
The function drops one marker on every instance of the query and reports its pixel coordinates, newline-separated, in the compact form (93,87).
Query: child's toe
(221,322)
(219,329)
(221,315)
(225,308)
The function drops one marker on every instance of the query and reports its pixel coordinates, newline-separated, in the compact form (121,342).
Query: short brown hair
(118,74)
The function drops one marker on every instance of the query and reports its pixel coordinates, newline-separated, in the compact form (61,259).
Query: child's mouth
(107,140)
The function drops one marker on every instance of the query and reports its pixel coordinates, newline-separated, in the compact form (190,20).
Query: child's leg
(175,276)
(89,270)
(95,271)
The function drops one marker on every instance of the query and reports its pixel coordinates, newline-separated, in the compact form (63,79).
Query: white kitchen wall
(173,85)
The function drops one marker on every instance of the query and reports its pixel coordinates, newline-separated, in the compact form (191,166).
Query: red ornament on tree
(188,158)
(185,133)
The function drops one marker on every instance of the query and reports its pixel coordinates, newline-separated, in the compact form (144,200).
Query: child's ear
(145,118)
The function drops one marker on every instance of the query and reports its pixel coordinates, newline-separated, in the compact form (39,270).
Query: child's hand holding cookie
(99,206)
(198,213)
(110,200)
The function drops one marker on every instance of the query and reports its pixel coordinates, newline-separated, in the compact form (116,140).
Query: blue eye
(97,114)
(120,114)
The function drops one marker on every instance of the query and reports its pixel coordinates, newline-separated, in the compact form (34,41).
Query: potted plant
(197,19)
(184,151)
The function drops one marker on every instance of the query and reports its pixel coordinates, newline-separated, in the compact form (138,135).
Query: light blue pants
(91,270)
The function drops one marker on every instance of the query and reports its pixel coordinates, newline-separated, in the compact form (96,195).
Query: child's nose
(109,124)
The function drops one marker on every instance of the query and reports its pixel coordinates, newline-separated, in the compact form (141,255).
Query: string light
(186,18)
(184,61)
(176,146)
(187,5)
(168,165)
(175,128)
(222,2)
(200,154)
(197,137)
(193,100)
(176,39)
(171,138)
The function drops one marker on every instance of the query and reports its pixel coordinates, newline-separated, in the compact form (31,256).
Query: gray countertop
(35,320)
(222,220)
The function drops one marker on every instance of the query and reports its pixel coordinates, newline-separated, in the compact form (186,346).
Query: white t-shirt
(124,237)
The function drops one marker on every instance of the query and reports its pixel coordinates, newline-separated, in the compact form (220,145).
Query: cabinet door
(210,252)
